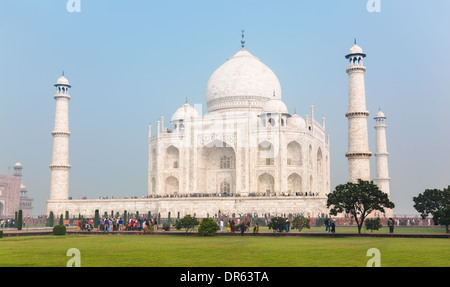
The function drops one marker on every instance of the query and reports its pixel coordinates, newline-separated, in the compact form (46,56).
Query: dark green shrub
(1,233)
(301,222)
(188,223)
(59,230)
(208,227)
(166,225)
(373,224)
(277,224)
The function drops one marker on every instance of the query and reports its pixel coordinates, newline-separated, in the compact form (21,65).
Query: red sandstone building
(13,195)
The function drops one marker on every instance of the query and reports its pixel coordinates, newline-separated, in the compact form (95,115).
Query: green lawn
(219,251)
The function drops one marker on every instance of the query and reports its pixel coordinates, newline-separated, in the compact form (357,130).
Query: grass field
(219,251)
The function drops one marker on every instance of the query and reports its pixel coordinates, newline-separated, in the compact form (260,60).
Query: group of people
(232,227)
(5,223)
(216,194)
(330,225)
(252,194)
(107,224)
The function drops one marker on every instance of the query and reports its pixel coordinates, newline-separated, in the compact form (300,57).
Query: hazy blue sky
(130,62)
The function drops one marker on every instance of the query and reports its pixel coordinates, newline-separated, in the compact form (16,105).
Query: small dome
(296,121)
(23,187)
(355,50)
(185,112)
(62,81)
(380,114)
(275,106)
(18,165)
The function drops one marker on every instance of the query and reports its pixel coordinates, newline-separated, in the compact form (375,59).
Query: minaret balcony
(59,133)
(357,114)
(60,166)
(356,68)
(62,96)
(358,154)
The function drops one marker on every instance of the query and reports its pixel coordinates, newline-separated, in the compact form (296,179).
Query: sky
(131,62)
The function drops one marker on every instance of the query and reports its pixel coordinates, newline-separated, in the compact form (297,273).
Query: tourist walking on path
(327,224)
(242,228)
(391,225)
(333,226)
(256,229)
(120,224)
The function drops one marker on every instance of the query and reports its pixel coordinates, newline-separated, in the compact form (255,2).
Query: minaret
(18,169)
(358,140)
(382,179)
(59,183)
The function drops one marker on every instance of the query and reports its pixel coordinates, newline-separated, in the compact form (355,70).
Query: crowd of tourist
(7,223)
(215,194)
(227,221)
(107,224)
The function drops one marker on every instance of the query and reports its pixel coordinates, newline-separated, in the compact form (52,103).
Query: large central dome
(240,82)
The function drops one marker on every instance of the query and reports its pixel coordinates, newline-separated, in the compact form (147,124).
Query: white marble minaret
(358,140)
(382,179)
(59,182)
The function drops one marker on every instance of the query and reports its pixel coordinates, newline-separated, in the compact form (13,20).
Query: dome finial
(243,39)
(355,41)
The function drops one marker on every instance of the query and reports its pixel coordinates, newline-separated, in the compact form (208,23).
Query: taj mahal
(247,153)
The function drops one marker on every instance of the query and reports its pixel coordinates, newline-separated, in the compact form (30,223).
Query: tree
(359,200)
(188,223)
(278,224)
(96,218)
(51,219)
(437,203)
(61,220)
(125,218)
(301,222)
(19,221)
(208,227)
